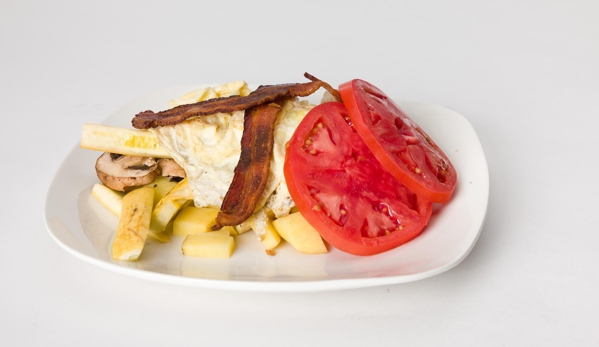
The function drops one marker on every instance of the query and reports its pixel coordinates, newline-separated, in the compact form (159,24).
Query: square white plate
(85,229)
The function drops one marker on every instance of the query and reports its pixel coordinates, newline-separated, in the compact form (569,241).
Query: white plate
(83,228)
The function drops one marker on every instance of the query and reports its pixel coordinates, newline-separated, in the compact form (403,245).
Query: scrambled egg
(232,88)
(208,149)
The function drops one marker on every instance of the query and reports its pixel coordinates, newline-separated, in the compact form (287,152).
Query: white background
(524,73)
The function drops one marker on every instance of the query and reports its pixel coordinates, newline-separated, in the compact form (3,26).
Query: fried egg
(208,149)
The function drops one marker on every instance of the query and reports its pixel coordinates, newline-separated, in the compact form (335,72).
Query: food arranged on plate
(354,172)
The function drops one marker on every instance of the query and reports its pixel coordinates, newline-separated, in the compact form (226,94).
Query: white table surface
(524,73)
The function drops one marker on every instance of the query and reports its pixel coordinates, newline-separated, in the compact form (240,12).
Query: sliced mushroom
(169,167)
(118,171)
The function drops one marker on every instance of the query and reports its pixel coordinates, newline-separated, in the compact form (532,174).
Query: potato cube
(226,230)
(245,226)
(262,225)
(271,238)
(300,234)
(192,220)
(208,245)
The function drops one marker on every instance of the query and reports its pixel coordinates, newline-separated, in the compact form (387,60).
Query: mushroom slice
(118,171)
(169,167)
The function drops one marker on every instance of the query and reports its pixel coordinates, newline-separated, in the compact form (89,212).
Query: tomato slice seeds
(343,191)
(402,147)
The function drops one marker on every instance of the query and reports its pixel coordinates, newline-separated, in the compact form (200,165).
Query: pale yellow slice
(300,234)
(208,245)
(168,207)
(124,141)
(134,224)
(109,198)
(162,185)
(112,200)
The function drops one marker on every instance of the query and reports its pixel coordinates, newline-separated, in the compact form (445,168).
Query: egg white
(208,148)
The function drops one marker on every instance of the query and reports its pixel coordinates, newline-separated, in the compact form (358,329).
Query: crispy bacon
(262,95)
(261,109)
(251,172)
(325,85)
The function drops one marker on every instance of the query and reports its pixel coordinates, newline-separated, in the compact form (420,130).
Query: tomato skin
(343,191)
(401,146)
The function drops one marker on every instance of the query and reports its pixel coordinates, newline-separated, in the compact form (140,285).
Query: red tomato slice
(403,148)
(343,191)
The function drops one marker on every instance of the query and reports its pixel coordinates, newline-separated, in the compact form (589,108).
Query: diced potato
(244,226)
(170,205)
(300,234)
(230,229)
(192,220)
(134,224)
(226,231)
(271,238)
(162,185)
(262,225)
(208,245)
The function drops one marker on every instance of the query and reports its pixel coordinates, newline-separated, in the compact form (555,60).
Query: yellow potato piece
(244,226)
(162,185)
(271,238)
(168,207)
(160,237)
(226,231)
(300,234)
(262,225)
(134,224)
(193,220)
(208,245)
(113,202)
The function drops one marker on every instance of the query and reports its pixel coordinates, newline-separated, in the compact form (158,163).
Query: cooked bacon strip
(251,172)
(325,85)
(262,95)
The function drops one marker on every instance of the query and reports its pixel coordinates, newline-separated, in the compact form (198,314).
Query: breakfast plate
(81,226)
